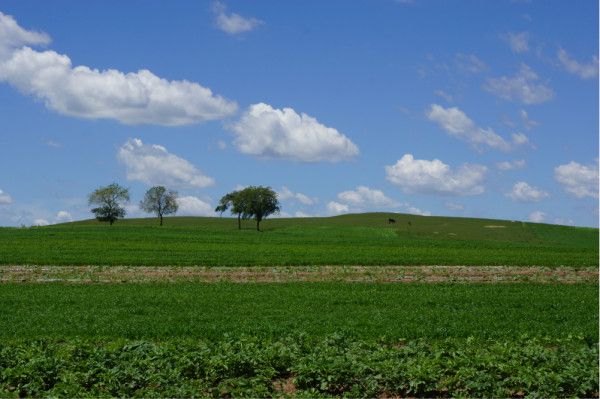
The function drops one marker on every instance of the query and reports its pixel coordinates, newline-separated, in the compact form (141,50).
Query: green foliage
(299,366)
(256,202)
(110,200)
(364,239)
(160,201)
(369,311)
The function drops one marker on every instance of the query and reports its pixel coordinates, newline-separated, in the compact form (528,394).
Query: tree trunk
(257,225)
(239,221)
(161,219)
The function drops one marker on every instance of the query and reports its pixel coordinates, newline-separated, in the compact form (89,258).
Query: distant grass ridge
(361,239)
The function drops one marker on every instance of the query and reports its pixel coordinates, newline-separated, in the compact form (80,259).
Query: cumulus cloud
(5,199)
(458,124)
(584,71)
(337,208)
(153,165)
(510,165)
(537,216)
(274,133)
(233,23)
(470,63)
(523,192)
(577,179)
(364,196)
(194,206)
(131,98)
(13,36)
(518,42)
(40,222)
(523,87)
(63,216)
(286,194)
(435,177)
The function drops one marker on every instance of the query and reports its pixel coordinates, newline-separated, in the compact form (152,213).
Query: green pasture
(362,239)
(366,311)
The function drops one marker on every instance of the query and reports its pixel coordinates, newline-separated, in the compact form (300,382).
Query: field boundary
(287,274)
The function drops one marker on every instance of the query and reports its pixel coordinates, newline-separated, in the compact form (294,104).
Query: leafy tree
(110,200)
(261,202)
(160,201)
(237,201)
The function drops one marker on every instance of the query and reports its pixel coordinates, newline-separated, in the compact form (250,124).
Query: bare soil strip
(284,274)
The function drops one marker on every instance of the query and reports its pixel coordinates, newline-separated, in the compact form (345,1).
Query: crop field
(315,307)
(365,239)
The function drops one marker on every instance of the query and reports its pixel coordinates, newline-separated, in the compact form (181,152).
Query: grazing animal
(390,221)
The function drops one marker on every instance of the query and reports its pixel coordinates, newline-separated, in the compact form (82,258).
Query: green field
(363,239)
(367,311)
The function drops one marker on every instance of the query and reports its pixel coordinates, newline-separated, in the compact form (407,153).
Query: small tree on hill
(261,202)
(110,200)
(237,201)
(160,201)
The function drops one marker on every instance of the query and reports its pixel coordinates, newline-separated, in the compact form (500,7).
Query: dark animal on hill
(390,221)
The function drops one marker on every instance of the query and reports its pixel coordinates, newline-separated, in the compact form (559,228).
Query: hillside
(358,239)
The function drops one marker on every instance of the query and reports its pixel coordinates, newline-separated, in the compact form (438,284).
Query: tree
(237,201)
(261,202)
(159,201)
(110,200)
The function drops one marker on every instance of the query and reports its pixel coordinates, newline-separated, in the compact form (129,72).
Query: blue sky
(470,108)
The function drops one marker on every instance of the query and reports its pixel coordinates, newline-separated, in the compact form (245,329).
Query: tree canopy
(110,200)
(256,202)
(160,201)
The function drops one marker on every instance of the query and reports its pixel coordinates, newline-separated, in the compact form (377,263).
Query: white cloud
(453,206)
(435,177)
(579,180)
(523,87)
(63,216)
(523,192)
(13,36)
(527,123)
(5,199)
(273,133)
(518,42)
(416,211)
(537,216)
(564,222)
(53,144)
(444,95)
(336,207)
(458,124)
(233,23)
(519,139)
(365,196)
(510,165)
(584,71)
(286,194)
(131,98)
(40,222)
(194,206)
(221,145)
(153,165)
(470,63)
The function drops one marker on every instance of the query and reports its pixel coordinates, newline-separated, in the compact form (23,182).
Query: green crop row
(370,311)
(298,366)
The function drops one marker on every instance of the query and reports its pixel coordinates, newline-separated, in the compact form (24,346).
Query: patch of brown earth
(367,274)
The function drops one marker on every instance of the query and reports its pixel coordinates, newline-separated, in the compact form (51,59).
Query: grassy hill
(360,239)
